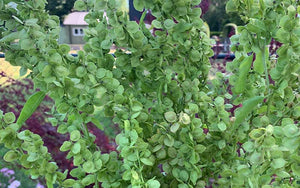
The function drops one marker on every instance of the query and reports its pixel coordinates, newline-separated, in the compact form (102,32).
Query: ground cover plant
(177,129)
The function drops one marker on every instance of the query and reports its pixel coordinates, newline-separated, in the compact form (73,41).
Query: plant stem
(267,77)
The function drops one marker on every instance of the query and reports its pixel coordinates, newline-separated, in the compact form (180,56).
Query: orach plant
(176,126)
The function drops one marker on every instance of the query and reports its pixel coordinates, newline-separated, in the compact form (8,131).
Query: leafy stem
(267,76)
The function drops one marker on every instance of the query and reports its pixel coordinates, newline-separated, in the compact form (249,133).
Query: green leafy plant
(177,128)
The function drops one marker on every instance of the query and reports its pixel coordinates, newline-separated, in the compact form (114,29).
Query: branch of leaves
(87,162)
(269,145)
(136,155)
(27,148)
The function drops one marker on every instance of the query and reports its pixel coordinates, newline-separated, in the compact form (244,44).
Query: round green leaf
(169,141)
(248,146)
(170,116)
(291,130)
(278,163)
(62,71)
(185,118)
(68,183)
(11,156)
(222,126)
(184,175)
(169,24)
(80,5)
(87,180)
(153,183)
(147,161)
(76,148)
(200,148)
(63,108)
(81,71)
(9,118)
(55,59)
(296,169)
(89,167)
(174,127)
(257,133)
(172,152)
(75,135)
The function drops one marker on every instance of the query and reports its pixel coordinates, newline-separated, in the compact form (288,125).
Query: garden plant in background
(177,129)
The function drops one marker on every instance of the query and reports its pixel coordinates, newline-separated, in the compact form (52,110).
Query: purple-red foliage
(204,5)
(274,45)
(13,95)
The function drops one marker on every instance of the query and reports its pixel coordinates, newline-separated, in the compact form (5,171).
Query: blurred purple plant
(12,182)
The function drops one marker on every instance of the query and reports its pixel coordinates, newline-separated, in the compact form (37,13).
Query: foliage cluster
(176,128)
(13,95)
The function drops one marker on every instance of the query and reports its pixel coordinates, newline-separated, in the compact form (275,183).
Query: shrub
(176,129)
(13,95)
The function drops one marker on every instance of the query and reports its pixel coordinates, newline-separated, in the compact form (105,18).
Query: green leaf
(138,5)
(27,44)
(134,175)
(174,127)
(132,27)
(76,148)
(200,148)
(147,161)
(258,65)
(10,37)
(55,59)
(75,135)
(66,146)
(291,131)
(184,175)
(169,141)
(246,109)
(248,146)
(222,126)
(278,163)
(257,133)
(68,183)
(62,71)
(156,24)
(172,152)
(96,122)
(153,183)
(221,144)
(194,177)
(11,156)
(81,71)
(80,5)
(136,106)
(184,118)
(195,2)
(195,56)
(243,73)
(87,180)
(101,73)
(170,116)
(296,169)
(169,24)
(89,167)
(9,118)
(30,106)
(23,71)
(231,6)
(63,108)
(106,44)
(32,157)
